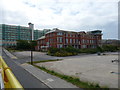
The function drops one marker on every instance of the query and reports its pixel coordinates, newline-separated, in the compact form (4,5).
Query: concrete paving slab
(96,69)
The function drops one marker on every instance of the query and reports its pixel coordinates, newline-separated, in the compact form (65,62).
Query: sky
(76,15)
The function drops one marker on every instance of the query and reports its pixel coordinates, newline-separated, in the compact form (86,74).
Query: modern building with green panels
(37,34)
(40,33)
(45,31)
(12,33)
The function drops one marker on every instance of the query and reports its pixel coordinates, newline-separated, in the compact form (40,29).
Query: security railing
(8,80)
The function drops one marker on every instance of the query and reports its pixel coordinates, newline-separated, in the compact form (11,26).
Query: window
(66,40)
(84,46)
(90,41)
(59,45)
(66,35)
(59,39)
(59,33)
(76,35)
(70,40)
(73,40)
(76,40)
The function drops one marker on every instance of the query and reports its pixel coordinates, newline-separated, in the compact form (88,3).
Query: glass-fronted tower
(12,33)
(9,34)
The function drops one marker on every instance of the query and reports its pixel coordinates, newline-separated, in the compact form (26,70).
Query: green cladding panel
(11,33)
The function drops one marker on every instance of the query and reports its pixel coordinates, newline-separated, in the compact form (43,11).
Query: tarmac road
(25,78)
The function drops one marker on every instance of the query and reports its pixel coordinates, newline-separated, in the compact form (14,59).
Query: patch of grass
(13,50)
(74,80)
(45,61)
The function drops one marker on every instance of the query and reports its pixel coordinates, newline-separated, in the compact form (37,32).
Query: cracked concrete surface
(96,69)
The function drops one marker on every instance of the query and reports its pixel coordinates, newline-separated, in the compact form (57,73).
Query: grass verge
(45,61)
(74,80)
(14,50)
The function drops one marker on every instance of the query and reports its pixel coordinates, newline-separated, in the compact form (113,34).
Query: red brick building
(61,39)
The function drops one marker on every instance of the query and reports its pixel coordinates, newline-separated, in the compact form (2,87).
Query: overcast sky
(78,15)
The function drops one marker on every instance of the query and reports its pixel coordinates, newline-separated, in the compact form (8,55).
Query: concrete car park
(88,67)
(94,69)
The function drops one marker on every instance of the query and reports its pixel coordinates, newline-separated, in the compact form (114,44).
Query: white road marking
(50,79)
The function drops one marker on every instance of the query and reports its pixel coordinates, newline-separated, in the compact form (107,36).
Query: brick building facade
(61,39)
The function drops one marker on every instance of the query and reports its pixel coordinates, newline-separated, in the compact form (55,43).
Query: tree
(99,49)
(33,44)
(26,45)
(23,45)
(109,48)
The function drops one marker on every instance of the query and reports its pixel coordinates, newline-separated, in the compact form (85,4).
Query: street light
(31,27)
(31,54)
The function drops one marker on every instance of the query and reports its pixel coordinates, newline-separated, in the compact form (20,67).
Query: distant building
(11,33)
(40,33)
(45,31)
(111,42)
(61,39)
(37,34)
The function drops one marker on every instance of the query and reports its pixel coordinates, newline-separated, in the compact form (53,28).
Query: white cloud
(65,14)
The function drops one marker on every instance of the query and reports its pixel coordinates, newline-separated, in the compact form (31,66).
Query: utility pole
(31,27)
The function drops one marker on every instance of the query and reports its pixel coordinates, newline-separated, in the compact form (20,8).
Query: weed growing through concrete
(74,80)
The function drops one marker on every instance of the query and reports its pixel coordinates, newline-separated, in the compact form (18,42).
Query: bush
(89,50)
(26,45)
(23,45)
(53,50)
(57,54)
(63,54)
(69,51)
(99,49)
(111,48)
(74,53)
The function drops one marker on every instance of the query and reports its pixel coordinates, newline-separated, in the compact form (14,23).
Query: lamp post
(31,27)
(31,54)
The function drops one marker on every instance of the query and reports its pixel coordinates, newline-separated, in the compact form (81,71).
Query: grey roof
(41,37)
(51,31)
(58,30)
